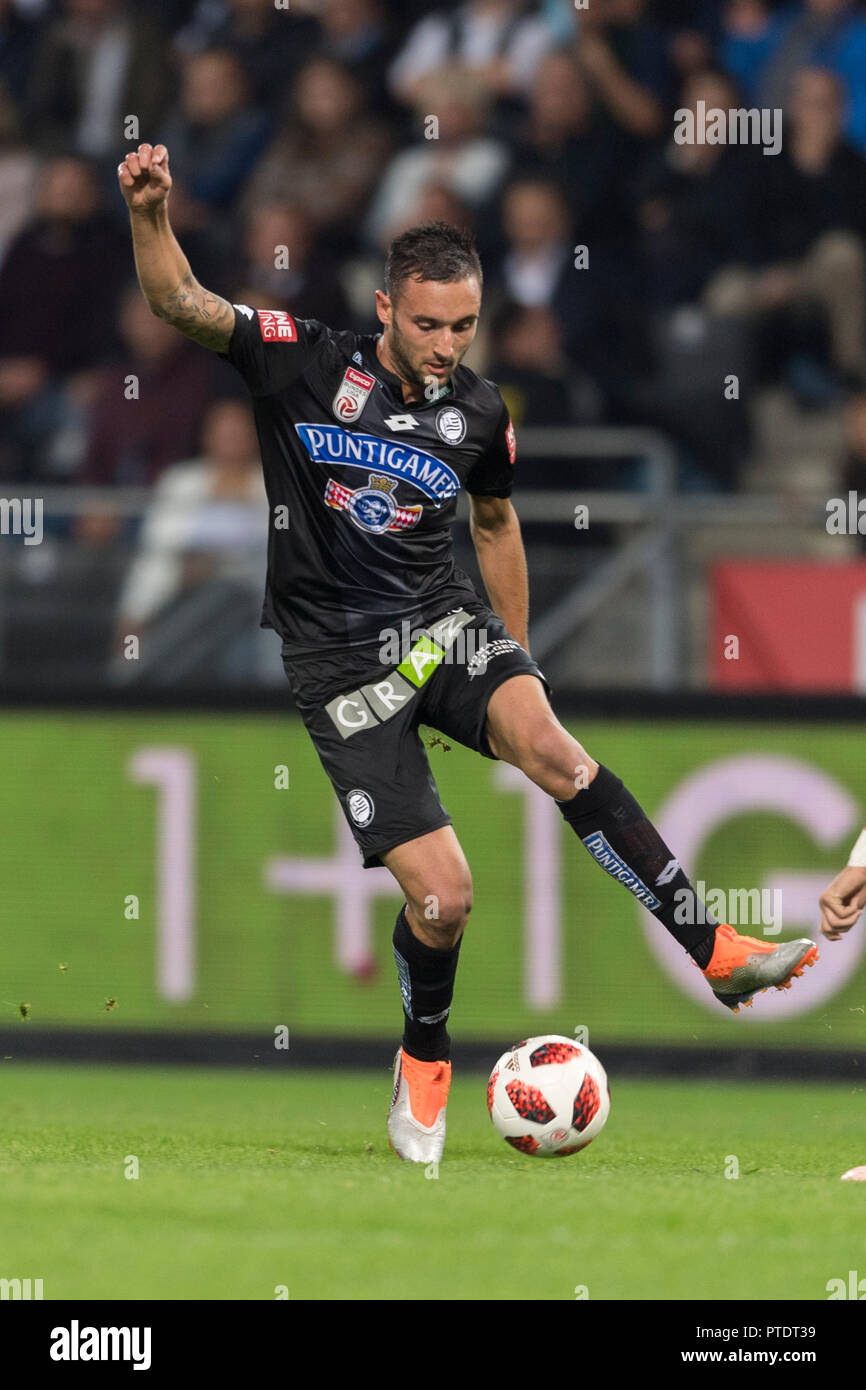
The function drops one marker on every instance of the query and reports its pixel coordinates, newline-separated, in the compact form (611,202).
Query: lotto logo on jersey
(352,395)
(277,326)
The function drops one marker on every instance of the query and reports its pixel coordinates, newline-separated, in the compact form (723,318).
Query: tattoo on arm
(200,315)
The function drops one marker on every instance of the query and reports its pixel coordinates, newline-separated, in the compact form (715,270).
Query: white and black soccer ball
(548,1096)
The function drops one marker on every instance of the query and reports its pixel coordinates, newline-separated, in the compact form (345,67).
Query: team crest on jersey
(372,508)
(352,395)
(451,425)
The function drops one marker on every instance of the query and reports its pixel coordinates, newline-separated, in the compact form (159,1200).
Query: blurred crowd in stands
(327,126)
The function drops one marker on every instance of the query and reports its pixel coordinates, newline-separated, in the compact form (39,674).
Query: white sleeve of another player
(857,857)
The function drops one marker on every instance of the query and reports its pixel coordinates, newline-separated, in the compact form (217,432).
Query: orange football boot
(742,965)
(416,1119)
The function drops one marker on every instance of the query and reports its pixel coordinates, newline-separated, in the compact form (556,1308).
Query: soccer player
(365,443)
(841,903)
(844,899)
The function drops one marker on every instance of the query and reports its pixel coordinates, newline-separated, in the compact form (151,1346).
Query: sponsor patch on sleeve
(511,442)
(277,326)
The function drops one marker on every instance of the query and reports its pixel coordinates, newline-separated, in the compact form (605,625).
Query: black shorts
(363,712)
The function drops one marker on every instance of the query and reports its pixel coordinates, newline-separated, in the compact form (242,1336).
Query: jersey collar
(374,365)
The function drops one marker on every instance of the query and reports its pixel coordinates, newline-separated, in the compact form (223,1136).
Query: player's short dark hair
(433,251)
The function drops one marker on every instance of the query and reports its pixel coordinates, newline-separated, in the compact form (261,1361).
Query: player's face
(428,327)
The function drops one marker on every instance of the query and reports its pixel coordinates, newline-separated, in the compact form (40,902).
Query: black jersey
(362,487)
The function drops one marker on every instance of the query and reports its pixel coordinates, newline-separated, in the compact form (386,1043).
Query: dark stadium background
(698,385)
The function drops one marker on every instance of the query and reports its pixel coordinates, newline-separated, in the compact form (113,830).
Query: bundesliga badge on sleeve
(352,395)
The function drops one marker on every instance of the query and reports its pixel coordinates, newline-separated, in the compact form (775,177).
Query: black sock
(618,835)
(427,986)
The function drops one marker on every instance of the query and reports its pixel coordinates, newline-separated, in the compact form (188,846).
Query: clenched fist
(144,178)
(842,902)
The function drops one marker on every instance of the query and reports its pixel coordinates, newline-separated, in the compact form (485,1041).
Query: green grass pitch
(249,1182)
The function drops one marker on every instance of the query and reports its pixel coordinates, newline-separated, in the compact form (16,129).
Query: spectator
(693,35)
(58,286)
(268,42)
(751,32)
(539,384)
(692,205)
(562,139)
(355,35)
(538,270)
(623,56)
(827,34)
(285,269)
(328,155)
(498,42)
(216,134)
(98,62)
(208,521)
(811,223)
(538,245)
(457,154)
(148,410)
(817,182)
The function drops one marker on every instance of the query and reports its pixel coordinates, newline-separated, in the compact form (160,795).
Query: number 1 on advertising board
(172,771)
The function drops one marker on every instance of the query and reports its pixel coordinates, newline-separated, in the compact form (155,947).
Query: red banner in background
(782,625)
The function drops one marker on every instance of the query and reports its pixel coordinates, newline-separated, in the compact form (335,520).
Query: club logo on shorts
(451,425)
(361,807)
(352,395)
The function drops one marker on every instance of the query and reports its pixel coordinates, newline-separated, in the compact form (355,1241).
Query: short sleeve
(270,348)
(493,474)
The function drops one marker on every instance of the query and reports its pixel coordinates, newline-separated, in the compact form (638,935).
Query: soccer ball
(548,1096)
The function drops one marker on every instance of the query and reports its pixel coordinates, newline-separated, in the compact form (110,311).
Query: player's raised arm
(164,274)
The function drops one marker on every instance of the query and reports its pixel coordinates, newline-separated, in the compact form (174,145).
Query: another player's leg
(522,729)
(435,878)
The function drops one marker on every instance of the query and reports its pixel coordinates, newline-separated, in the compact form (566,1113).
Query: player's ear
(383,306)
